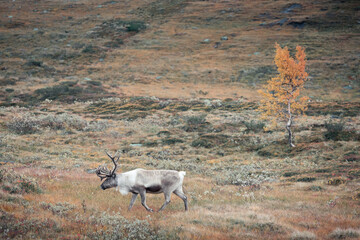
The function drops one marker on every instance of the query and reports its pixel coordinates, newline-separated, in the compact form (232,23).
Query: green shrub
(333,130)
(9,90)
(266,227)
(28,123)
(89,49)
(305,235)
(337,132)
(15,183)
(344,233)
(196,120)
(12,227)
(171,141)
(306,179)
(24,124)
(202,143)
(243,175)
(134,26)
(316,188)
(60,209)
(94,83)
(118,227)
(254,126)
(290,174)
(6,81)
(52,93)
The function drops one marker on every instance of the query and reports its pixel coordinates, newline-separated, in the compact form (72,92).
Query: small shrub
(63,121)
(24,124)
(352,157)
(9,90)
(305,235)
(97,126)
(245,175)
(118,227)
(114,44)
(254,126)
(196,120)
(344,233)
(333,130)
(171,141)
(60,209)
(306,179)
(275,149)
(15,183)
(34,63)
(266,227)
(89,49)
(6,81)
(134,26)
(57,91)
(336,181)
(193,123)
(202,143)
(94,83)
(290,174)
(150,144)
(27,123)
(12,227)
(316,188)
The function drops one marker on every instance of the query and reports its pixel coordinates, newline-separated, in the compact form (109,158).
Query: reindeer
(140,181)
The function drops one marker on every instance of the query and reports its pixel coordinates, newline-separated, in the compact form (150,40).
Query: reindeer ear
(101,178)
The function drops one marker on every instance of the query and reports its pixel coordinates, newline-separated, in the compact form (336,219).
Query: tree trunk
(288,125)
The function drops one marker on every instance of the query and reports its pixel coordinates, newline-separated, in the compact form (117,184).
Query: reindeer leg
(132,200)
(167,200)
(143,200)
(180,194)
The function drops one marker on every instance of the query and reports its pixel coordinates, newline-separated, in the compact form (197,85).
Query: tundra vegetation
(82,77)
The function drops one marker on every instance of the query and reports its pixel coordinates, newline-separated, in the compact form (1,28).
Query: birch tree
(281,97)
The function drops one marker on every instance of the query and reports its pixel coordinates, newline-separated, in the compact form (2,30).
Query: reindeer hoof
(150,210)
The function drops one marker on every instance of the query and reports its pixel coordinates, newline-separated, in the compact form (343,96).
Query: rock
(224,38)
(349,87)
(290,8)
(90,170)
(135,145)
(205,40)
(158,77)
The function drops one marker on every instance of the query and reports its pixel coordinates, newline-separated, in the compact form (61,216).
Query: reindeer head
(103,172)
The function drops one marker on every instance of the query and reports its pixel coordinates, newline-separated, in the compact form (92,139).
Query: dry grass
(252,186)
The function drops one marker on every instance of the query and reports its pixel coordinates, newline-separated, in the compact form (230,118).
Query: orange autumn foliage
(281,98)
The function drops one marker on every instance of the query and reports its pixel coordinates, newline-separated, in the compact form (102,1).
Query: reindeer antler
(103,172)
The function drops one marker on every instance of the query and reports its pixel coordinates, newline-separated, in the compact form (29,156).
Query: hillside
(176,48)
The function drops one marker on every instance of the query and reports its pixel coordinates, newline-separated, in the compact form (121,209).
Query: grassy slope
(241,183)
(171,50)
